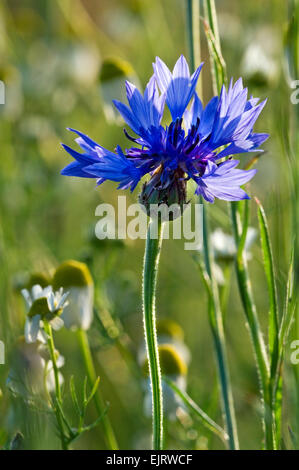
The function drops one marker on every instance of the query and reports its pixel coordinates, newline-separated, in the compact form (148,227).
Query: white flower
(79,312)
(31,369)
(223,245)
(76,278)
(224,250)
(43,304)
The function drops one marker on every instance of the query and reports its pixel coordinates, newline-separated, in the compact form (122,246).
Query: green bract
(41,307)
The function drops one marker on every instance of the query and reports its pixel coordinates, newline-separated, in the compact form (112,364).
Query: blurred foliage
(52,61)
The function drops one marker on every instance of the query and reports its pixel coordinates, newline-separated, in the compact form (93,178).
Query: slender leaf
(287,318)
(270,275)
(288,315)
(74,396)
(93,391)
(192,406)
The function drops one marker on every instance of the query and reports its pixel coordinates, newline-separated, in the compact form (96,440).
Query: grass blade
(287,319)
(193,407)
(218,65)
(270,275)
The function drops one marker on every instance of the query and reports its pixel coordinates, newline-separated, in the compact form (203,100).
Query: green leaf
(287,318)
(93,391)
(270,276)
(74,396)
(289,307)
(65,421)
(192,406)
(84,390)
(97,421)
(293,437)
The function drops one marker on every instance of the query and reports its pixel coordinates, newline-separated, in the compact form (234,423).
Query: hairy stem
(151,262)
(216,322)
(255,333)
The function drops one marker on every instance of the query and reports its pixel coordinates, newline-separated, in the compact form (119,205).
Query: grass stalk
(214,310)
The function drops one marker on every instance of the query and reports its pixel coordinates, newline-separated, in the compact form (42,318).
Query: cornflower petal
(178,86)
(188,147)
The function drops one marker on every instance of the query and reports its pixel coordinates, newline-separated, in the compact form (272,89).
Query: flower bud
(75,278)
(169,328)
(170,332)
(41,279)
(169,201)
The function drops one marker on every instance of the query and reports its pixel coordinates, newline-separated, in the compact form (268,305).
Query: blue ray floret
(198,144)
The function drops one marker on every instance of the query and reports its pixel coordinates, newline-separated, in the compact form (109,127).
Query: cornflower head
(43,305)
(197,145)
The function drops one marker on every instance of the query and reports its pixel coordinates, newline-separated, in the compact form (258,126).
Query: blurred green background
(51,61)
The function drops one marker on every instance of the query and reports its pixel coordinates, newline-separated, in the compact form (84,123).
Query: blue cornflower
(198,143)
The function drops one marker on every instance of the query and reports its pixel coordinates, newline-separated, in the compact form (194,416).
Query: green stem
(216,66)
(255,332)
(98,399)
(48,330)
(215,314)
(151,262)
(216,322)
(210,13)
(193,35)
(242,269)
